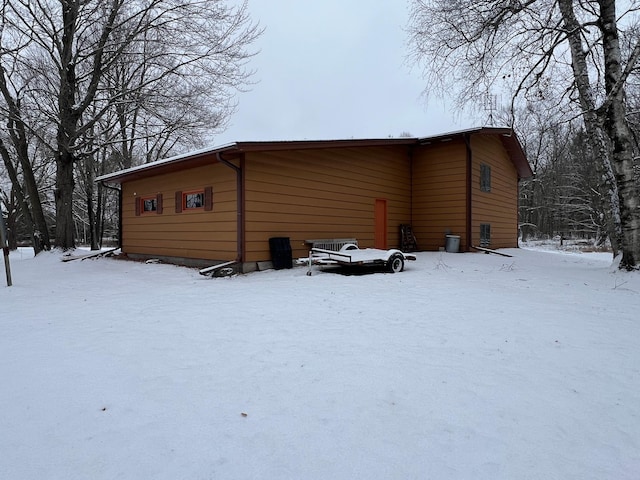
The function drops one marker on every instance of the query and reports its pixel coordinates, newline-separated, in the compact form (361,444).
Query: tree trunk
(621,138)
(23,205)
(67,131)
(597,141)
(92,215)
(65,230)
(12,221)
(18,135)
(41,232)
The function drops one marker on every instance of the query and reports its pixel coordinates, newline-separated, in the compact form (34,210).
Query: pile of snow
(464,366)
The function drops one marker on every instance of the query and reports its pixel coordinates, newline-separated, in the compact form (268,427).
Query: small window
(485,234)
(146,205)
(485,177)
(149,205)
(193,200)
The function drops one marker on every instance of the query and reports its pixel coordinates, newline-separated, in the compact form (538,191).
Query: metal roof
(203,157)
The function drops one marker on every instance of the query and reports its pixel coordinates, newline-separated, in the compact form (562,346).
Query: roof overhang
(209,155)
(234,150)
(507,136)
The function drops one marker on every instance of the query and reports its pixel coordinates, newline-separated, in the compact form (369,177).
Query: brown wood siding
(198,234)
(499,206)
(323,193)
(327,193)
(439,193)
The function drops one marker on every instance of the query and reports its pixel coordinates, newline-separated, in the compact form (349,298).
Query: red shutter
(208,198)
(178,202)
(138,205)
(159,203)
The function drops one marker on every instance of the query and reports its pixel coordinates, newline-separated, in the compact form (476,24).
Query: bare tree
(8,199)
(74,50)
(565,50)
(18,136)
(17,200)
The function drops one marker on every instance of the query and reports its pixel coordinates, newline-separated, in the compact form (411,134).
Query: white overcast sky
(335,69)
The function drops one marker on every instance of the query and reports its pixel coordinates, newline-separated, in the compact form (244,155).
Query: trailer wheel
(395,263)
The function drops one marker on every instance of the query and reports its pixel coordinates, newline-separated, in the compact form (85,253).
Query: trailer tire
(396,263)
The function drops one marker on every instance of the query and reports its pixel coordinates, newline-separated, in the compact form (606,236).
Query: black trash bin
(281,255)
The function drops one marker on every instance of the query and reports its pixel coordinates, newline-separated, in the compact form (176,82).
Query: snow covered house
(225,203)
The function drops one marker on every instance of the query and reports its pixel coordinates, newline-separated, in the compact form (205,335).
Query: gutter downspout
(410,155)
(239,206)
(469,167)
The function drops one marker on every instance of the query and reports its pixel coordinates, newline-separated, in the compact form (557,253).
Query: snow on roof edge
(165,161)
(236,145)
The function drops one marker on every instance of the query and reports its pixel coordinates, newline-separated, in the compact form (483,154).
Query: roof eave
(517,154)
(508,138)
(165,165)
(203,157)
(171,164)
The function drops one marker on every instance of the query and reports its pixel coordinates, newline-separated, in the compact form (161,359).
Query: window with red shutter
(195,200)
(146,205)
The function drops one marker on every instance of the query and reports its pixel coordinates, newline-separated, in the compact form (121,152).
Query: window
(147,205)
(485,177)
(485,234)
(195,200)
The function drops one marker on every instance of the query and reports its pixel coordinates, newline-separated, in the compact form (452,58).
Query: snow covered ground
(464,366)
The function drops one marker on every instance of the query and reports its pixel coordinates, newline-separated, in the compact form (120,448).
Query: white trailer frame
(352,256)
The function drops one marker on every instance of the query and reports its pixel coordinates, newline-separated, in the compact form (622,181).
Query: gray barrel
(453,243)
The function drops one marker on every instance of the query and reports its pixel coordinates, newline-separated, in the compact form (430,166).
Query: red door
(380,215)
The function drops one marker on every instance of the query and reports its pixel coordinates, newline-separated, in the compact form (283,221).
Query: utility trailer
(350,255)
